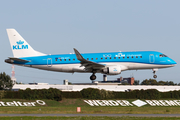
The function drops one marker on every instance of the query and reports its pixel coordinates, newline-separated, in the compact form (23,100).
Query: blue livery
(112,63)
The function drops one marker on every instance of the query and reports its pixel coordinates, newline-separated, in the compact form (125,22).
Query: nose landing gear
(154,76)
(154,72)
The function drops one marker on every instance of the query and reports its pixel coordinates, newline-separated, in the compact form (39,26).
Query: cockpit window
(162,55)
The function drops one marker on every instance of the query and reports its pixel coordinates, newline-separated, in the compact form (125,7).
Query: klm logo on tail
(20,45)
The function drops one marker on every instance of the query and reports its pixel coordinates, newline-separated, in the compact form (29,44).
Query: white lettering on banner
(138,103)
(163,103)
(177,102)
(40,102)
(170,103)
(33,103)
(113,103)
(18,103)
(10,104)
(91,103)
(157,102)
(127,103)
(100,103)
(106,102)
(27,104)
(15,103)
(150,102)
(120,102)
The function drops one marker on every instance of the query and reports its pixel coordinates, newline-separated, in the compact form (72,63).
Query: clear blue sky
(58,26)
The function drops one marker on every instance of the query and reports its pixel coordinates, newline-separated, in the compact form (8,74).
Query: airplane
(110,63)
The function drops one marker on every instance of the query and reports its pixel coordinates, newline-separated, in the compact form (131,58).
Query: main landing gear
(154,72)
(93,76)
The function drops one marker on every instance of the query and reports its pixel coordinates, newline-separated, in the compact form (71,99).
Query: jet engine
(112,70)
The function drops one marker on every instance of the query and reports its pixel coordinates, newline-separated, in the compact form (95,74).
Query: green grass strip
(89,118)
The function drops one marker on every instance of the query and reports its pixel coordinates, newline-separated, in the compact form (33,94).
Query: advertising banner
(18,103)
(137,103)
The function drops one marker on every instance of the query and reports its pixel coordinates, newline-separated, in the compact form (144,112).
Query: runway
(110,115)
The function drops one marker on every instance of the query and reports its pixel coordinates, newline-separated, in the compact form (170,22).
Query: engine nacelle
(112,70)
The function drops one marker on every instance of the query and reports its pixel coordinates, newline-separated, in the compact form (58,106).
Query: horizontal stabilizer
(19,60)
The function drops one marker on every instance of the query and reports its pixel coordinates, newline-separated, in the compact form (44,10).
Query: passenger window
(105,57)
(136,56)
(60,59)
(110,58)
(91,58)
(127,57)
(140,56)
(114,57)
(74,59)
(69,59)
(87,58)
(96,58)
(64,59)
(101,58)
(132,57)
(119,57)
(123,57)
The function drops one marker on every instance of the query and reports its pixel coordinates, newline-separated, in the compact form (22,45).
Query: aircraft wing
(87,64)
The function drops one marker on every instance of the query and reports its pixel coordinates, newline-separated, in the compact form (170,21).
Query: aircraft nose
(173,62)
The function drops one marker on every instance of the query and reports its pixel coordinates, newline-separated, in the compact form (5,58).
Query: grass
(89,118)
(67,106)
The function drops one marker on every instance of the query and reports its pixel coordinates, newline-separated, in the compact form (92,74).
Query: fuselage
(125,60)
(111,63)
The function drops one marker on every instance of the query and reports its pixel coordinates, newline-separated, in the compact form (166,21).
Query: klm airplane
(112,63)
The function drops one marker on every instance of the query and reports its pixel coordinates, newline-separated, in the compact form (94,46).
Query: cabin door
(151,58)
(49,62)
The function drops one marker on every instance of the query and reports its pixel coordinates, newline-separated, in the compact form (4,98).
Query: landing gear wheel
(92,77)
(154,72)
(155,76)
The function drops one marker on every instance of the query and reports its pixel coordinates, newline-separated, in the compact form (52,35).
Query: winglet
(78,55)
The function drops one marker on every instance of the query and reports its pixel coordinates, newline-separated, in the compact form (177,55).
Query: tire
(92,77)
(155,76)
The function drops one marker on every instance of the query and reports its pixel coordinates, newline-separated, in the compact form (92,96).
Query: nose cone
(173,62)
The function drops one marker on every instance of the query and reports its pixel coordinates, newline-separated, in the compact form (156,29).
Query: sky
(91,26)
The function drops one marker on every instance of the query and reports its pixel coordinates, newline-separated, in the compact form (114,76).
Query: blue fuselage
(145,57)
(126,60)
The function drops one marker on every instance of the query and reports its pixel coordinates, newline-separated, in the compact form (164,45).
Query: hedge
(89,93)
(51,93)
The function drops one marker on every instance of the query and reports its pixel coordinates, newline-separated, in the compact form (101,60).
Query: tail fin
(19,46)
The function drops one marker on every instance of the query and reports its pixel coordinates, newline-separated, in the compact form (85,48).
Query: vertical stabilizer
(19,46)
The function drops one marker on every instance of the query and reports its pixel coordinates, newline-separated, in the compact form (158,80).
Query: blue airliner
(112,63)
